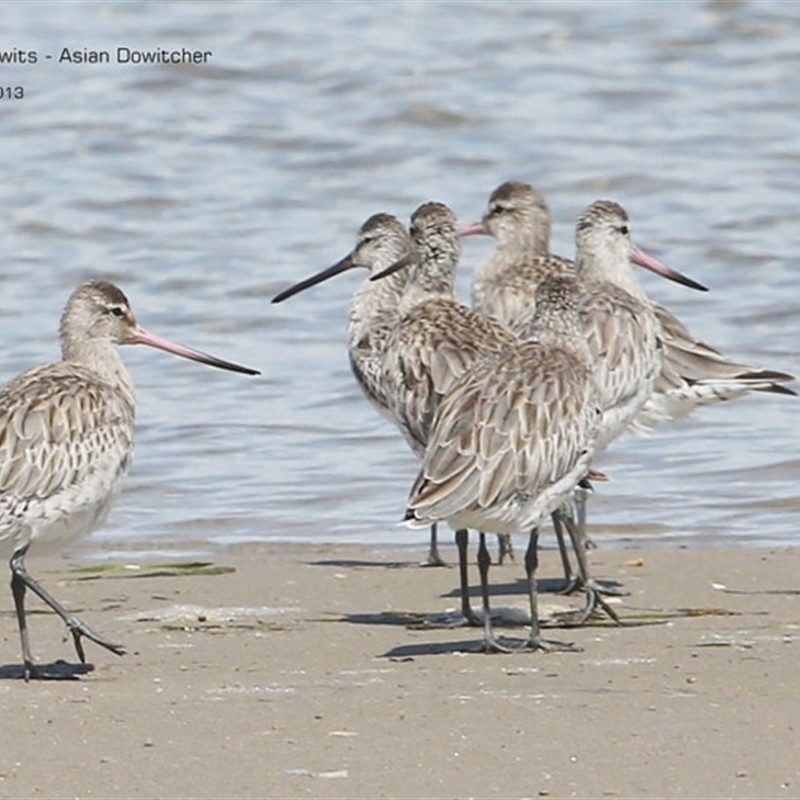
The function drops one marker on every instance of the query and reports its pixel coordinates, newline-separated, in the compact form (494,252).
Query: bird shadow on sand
(418,620)
(408,652)
(57,671)
(520,587)
(399,618)
(515,587)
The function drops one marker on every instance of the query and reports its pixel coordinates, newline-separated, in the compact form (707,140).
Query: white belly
(53,523)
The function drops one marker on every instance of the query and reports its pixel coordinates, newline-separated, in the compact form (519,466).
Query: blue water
(203,190)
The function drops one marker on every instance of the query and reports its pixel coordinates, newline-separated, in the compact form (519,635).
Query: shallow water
(203,190)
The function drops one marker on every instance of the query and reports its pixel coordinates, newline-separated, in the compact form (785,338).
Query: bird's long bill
(142,336)
(473,228)
(407,260)
(648,262)
(340,266)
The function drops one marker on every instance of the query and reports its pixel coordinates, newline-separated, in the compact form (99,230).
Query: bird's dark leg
(588,584)
(535,641)
(505,547)
(434,559)
(18,592)
(467,615)
(579,498)
(574,508)
(571,579)
(575,511)
(490,643)
(22,580)
(462,542)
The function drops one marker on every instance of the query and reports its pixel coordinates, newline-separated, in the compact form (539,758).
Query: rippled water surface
(203,190)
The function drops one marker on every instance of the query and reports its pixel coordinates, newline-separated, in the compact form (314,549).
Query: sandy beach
(302,671)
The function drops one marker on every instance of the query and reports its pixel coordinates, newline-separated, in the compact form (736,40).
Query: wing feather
(547,422)
(433,346)
(623,338)
(59,427)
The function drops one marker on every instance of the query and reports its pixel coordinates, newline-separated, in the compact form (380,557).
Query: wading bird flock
(505,404)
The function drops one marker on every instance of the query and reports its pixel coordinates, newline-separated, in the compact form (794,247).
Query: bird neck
(433,276)
(529,240)
(613,270)
(102,358)
(375,299)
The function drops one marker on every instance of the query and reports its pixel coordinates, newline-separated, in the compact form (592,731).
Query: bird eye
(624,230)
(118,311)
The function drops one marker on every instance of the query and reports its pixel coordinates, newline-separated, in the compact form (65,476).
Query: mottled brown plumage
(508,432)
(436,340)
(694,374)
(66,440)
(515,435)
(504,285)
(382,241)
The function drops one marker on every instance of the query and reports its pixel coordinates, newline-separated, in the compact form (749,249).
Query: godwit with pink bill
(513,438)
(66,442)
(623,331)
(504,286)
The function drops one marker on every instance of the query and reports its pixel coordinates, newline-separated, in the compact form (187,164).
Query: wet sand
(296,674)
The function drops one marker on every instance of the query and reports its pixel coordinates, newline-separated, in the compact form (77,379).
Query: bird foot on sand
(577,584)
(594,604)
(532,645)
(77,629)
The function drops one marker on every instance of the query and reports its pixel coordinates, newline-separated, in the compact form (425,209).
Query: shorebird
(381,242)
(435,342)
(513,437)
(66,441)
(622,329)
(374,310)
(504,287)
